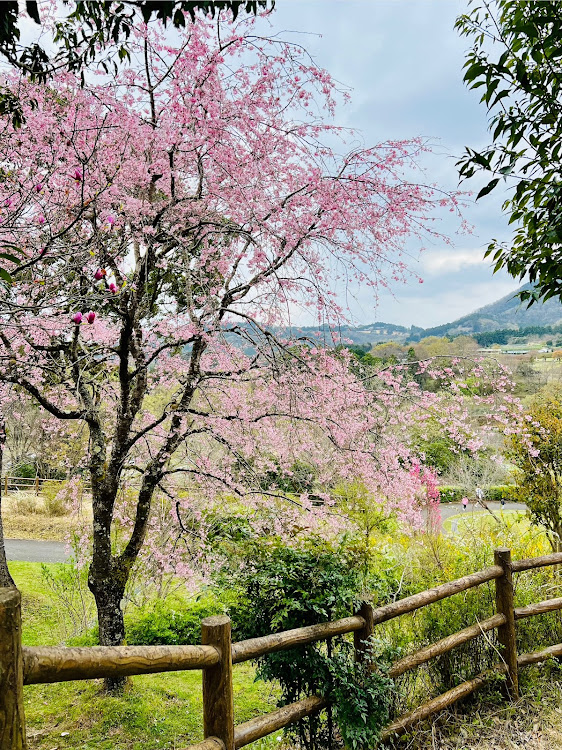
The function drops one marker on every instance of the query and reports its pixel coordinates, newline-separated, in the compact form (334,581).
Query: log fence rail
(20,665)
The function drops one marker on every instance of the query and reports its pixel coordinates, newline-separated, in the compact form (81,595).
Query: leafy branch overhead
(515,60)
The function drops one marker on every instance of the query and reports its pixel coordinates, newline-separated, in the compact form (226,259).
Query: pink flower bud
(99,274)
(110,220)
(77,175)
(112,287)
(38,187)
(41,219)
(90,317)
(77,318)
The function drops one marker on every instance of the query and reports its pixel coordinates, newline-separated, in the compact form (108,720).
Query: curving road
(34,550)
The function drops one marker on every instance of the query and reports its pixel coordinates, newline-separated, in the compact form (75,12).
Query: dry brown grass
(38,527)
(24,517)
(534,722)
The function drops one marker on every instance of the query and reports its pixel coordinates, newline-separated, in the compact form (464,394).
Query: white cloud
(451,260)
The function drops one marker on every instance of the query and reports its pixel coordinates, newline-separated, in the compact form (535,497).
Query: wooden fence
(20,665)
(30,484)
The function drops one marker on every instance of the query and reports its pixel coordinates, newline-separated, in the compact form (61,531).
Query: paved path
(34,550)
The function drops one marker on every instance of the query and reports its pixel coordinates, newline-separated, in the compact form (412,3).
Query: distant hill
(507,312)
(370,333)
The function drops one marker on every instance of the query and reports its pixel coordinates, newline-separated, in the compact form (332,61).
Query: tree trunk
(5,577)
(108,595)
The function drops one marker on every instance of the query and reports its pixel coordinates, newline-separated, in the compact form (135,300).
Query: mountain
(507,312)
(371,333)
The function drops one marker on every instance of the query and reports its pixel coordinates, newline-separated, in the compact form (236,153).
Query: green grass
(155,711)
(479,522)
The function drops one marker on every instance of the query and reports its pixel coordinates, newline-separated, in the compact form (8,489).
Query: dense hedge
(494,493)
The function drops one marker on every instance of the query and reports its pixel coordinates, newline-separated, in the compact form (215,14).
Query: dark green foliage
(515,61)
(362,697)
(26,471)
(439,453)
(283,588)
(502,336)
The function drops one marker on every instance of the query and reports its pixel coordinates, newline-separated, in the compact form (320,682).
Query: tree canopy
(516,62)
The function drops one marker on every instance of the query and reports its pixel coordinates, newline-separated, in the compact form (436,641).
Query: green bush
(283,587)
(171,622)
(451,494)
(25,471)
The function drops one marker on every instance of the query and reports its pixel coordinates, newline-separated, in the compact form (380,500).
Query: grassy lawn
(156,711)
(480,521)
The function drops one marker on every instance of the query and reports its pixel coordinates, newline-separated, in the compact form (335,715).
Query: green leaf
(488,189)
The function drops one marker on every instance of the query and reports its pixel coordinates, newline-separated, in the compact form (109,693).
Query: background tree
(538,459)
(516,60)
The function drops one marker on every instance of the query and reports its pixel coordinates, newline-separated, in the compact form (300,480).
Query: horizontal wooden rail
(536,562)
(411,603)
(268,644)
(403,723)
(537,656)
(59,664)
(261,726)
(445,644)
(549,605)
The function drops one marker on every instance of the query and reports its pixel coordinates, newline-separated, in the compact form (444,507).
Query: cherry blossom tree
(171,217)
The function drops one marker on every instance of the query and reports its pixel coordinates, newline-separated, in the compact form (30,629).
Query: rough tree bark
(5,577)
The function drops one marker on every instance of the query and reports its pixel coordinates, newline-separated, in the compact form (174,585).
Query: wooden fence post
(12,720)
(218,703)
(360,637)
(506,632)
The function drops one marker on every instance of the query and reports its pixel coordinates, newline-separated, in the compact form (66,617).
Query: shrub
(171,622)
(55,498)
(283,587)
(25,471)
(25,504)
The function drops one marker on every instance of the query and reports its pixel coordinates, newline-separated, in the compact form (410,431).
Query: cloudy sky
(403,61)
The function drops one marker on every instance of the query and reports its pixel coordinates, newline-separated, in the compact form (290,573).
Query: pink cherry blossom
(233,216)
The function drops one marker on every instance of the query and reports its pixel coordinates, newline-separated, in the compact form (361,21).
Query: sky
(402,60)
